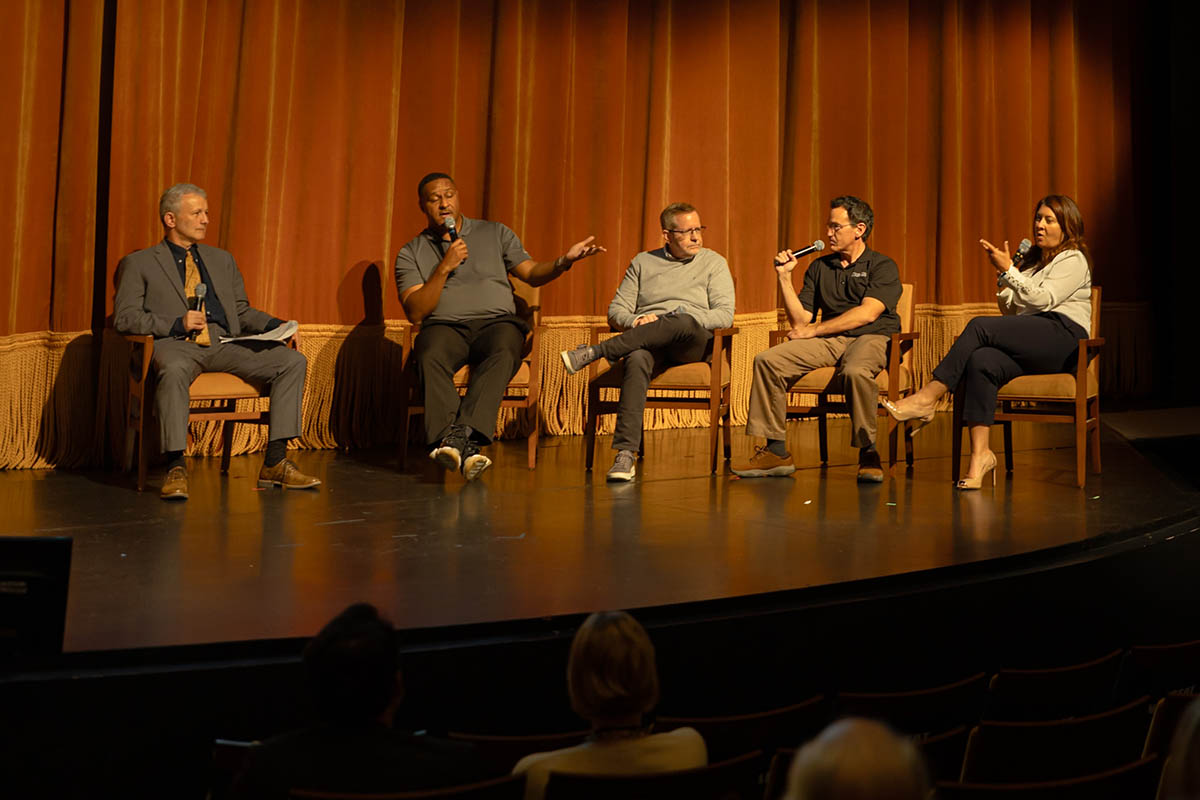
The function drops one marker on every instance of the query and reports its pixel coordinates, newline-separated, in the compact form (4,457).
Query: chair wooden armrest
(1093,344)
(907,336)
(727,332)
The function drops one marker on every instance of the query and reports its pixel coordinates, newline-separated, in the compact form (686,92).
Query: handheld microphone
(198,300)
(817,246)
(448,222)
(1022,249)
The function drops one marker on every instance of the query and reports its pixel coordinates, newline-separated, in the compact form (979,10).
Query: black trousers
(492,347)
(649,349)
(993,350)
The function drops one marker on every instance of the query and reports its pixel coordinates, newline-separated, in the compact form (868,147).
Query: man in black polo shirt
(453,279)
(856,290)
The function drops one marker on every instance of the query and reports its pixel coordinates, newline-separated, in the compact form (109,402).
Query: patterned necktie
(190,281)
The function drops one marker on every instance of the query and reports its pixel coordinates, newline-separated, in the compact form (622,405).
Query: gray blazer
(150,292)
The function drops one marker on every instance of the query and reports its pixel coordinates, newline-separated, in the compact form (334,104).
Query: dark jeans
(993,350)
(649,349)
(492,347)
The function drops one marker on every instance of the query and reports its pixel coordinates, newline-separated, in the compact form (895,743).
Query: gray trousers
(858,359)
(648,350)
(261,364)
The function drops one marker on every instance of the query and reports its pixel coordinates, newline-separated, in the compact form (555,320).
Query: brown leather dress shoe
(175,485)
(286,475)
(870,468)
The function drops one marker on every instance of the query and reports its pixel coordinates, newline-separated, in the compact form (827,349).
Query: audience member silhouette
(612,680)
(353,671)
(858,759)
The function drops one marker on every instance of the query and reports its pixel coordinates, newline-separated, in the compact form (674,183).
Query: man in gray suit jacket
(152,299)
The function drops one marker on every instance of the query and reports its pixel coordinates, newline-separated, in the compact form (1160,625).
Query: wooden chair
(1044,694)
(698,385)
(219,390)
(1024,752)
(1066,397)
(1158,669)
(229,757)
(735,779)
(938,708)
(1135,781)
(895,382)
(1167,713)
(510,787)
(501,753)
(731,736)
(524,390)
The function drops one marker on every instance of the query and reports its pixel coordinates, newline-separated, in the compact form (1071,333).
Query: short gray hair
(171,197)
(667,217)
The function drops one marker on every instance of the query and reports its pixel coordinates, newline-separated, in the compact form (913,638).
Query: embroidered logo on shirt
(858,274)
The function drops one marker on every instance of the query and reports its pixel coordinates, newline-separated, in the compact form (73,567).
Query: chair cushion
(697,374)
(1058,386)
(221,385)
(823,379)
(462,378)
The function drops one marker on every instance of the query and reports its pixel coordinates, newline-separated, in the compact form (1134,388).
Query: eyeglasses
(836,228)
(689,231)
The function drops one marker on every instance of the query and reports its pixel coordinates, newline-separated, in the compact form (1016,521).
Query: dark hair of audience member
(352,666)
(1181,778)
(858,759)
(612,676)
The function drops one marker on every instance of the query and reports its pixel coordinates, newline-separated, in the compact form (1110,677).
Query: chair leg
(1081,437)
(822,438)
(956,434)
(893,440)
(533,438)
(589,435)
(226,444)
(908,444)
(405,421)
(728,439)
(1094,416)
(1008,447)
(714,431)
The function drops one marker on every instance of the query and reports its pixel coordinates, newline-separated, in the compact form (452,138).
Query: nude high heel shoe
(977,482)
(904,416)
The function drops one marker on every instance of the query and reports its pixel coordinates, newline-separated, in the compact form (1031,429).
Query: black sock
(276,452)
(174,459)
(777,447)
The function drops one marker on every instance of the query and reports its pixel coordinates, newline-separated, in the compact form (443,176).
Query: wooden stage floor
(238,564)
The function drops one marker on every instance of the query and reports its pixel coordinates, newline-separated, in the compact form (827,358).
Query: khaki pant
(858,359)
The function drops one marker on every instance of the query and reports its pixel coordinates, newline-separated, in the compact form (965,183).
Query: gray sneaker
(577,359)
(624,467)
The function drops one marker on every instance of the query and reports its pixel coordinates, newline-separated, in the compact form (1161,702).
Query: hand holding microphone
(1001,259)
(785,260)
(456,253)
(193,320)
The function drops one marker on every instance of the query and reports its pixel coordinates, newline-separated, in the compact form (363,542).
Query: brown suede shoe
(286,475)
(870,468)
(175,484)
(765,464)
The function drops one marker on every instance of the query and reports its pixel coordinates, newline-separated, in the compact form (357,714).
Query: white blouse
(1064,285)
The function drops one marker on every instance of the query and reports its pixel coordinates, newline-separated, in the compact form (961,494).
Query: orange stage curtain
(310,121)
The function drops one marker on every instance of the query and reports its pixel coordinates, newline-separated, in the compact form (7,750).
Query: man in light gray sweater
(668,305)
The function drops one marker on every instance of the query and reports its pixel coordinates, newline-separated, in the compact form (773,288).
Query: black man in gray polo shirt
(453,280)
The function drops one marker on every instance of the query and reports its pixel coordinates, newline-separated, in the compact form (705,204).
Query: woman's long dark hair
(1071,222)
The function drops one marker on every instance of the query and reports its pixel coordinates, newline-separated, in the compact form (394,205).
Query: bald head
(858,759)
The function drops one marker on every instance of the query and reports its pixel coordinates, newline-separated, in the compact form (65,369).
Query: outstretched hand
(583,249)
(1001,259)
